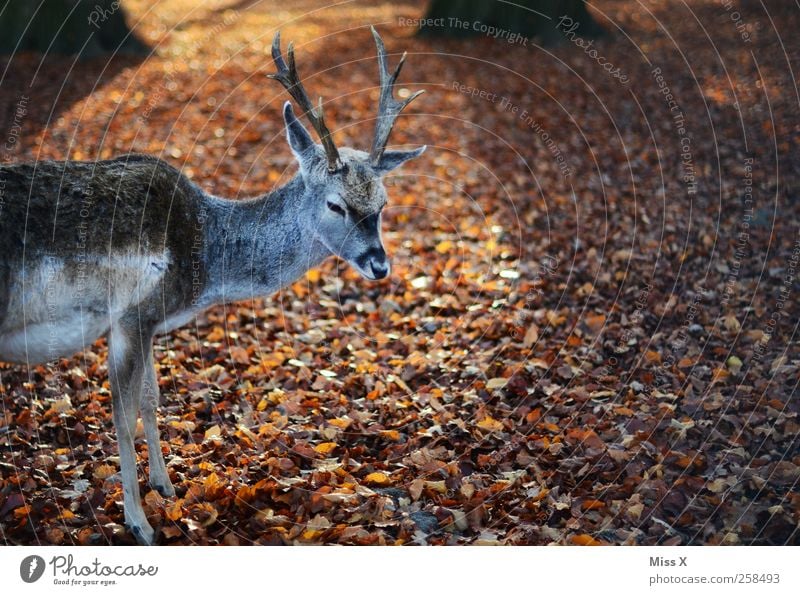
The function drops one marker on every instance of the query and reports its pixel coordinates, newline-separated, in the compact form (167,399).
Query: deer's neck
(256,246)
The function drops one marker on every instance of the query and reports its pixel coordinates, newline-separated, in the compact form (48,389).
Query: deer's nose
(375,261)
(380,269)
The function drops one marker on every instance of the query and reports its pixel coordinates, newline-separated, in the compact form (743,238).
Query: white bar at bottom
(402,570)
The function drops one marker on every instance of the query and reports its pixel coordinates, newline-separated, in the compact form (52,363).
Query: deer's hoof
(144,534)
(167,491)
(163,487)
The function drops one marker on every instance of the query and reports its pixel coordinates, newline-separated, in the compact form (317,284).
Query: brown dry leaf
(731,323)
(213,432)
(103,472)
(496,383)
(415,488)
(531,336)
(239,354)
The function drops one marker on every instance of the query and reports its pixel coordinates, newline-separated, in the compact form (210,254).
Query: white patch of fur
(54,313)
(118,347)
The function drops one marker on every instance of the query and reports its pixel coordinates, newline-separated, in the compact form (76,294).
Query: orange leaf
(444,246)
(491,424)
(377,478)
(534,415)
(325,448)
(593,504)
(719,374)
(653,357)
(175,512)
(585,539)
(216,334)
(595,322)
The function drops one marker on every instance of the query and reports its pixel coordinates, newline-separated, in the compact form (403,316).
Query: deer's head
(345,185)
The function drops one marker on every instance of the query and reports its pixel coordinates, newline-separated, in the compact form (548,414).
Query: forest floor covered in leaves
(589,333)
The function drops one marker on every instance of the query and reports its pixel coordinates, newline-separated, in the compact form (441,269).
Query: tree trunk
(85,27)
(529,18)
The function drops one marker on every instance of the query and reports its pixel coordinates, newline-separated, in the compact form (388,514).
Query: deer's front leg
(125,370)
(159,478)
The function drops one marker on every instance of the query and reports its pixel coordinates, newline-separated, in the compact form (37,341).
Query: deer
(129,248)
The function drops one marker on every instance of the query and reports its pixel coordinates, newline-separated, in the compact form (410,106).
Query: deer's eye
(336,209)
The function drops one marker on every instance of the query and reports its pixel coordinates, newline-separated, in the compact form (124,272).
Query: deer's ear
(393,159)
(299,139)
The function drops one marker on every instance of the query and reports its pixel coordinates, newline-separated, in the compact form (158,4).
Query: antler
(388,107)
(287,76)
